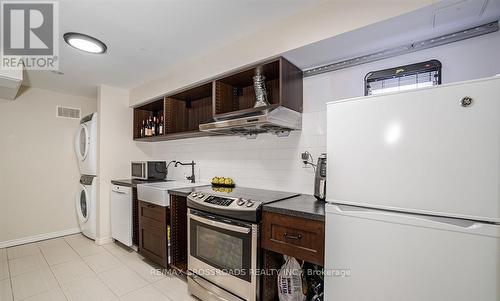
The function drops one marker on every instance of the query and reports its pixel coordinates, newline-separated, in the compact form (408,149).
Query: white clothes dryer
(86,145)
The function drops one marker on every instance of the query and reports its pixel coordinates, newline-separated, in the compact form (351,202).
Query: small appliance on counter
(149,170)
(320,178)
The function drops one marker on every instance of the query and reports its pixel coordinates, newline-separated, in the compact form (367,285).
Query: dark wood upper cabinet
(183,112)
(235,94)
(222,98)
(142,113)
(186,110)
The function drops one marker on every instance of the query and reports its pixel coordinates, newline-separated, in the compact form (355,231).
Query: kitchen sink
(157,193)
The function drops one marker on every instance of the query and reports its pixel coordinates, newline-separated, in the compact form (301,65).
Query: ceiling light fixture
(84,42)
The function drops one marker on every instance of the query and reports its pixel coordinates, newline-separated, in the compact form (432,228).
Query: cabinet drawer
(293,236)
(154,213)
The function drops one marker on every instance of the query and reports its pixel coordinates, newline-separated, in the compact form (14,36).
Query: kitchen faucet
(192,178)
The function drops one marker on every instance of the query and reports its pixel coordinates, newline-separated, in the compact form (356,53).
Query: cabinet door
(153,243)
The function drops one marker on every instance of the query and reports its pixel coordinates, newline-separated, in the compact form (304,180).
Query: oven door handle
(219,224)
(227,296)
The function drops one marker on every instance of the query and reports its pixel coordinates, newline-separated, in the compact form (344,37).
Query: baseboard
(103,241)
(35,238)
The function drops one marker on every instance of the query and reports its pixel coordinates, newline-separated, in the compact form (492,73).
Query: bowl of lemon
(222,182)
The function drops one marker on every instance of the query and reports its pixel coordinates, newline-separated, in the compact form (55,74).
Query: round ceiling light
(84,42)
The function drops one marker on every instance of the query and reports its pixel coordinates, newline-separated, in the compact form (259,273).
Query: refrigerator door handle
(443,223)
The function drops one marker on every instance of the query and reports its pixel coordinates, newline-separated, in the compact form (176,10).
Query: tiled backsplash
(267,162)
(271,162)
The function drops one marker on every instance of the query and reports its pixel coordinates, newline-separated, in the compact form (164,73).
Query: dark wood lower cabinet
(294,236)
(281,235)
(178,248)
(153,232)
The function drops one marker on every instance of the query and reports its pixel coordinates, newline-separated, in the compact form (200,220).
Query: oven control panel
(224,202)
(215,200)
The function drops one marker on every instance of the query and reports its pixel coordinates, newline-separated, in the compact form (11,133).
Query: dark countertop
(304,205)
(184,191)
(133,182)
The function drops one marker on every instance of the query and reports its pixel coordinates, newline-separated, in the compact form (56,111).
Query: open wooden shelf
(222,98)
(235,94)
(152,109)
(174,136)
(185,111)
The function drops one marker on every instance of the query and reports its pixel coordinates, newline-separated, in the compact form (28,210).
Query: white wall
(39,175)
(116,150)
(330,18)
(273,163)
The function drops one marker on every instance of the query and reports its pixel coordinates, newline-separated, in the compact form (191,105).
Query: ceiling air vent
(63,112)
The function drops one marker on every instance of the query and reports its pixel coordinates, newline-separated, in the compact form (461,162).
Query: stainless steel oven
(222,257)
(223,237)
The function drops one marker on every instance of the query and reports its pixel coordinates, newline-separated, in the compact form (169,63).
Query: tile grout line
(83,260)
(51,271)
(81,257)
(134,271)
(10,276)
(122,262)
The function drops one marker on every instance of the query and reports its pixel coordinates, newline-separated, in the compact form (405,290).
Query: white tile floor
(74,268)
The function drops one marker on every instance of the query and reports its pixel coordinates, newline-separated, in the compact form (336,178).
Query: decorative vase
(259,84)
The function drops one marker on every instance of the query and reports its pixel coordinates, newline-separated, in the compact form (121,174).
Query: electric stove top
(238,203)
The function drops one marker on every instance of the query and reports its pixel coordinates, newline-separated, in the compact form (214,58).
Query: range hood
(277,120)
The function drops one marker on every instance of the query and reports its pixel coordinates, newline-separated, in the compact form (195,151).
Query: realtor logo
(29,35)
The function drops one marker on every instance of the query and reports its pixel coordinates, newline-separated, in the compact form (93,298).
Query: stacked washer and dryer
(86,152)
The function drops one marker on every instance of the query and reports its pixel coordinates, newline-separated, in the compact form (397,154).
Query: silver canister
(259,84)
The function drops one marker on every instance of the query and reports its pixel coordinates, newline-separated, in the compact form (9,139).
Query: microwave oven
(149,170)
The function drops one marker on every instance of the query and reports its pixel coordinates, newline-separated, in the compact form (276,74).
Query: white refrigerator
(413,195)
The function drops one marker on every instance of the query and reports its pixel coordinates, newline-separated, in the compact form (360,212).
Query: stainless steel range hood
(278,120)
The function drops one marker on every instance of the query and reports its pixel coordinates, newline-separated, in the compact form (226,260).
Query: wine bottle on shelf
(160,126)
(148,128)
(142,129)
(153,126)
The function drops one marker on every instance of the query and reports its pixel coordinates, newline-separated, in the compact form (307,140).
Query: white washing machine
(86,145)
(86,203)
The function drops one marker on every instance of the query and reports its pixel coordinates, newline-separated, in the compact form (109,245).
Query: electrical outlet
(304,156)
(305,159)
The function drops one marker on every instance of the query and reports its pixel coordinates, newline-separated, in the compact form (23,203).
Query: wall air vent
(64,112)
